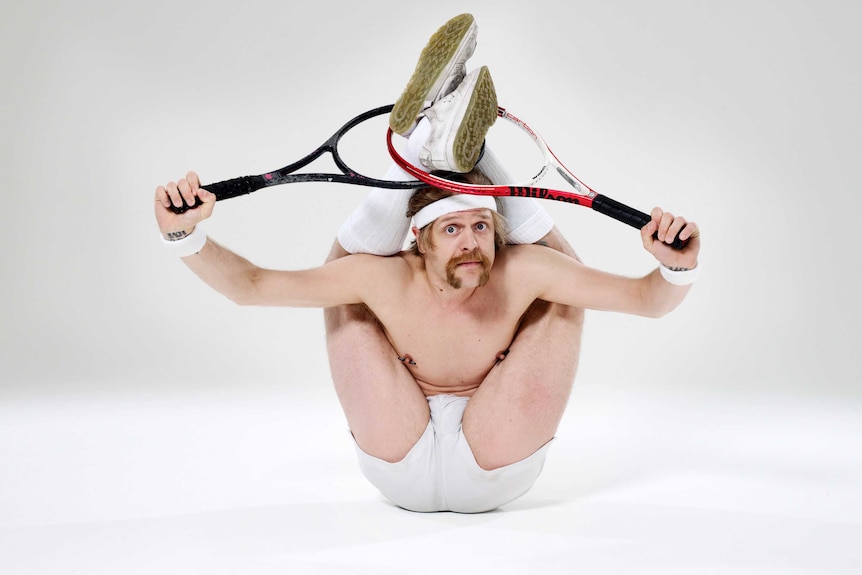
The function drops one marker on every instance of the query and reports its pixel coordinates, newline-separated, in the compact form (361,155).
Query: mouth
(475,265)
(469,265)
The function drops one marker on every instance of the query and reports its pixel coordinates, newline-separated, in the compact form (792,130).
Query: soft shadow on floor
(260,484)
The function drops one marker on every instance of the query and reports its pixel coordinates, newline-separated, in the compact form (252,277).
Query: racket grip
(227,189)
(623,213)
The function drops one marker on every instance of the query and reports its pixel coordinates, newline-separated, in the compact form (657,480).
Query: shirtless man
(453,361)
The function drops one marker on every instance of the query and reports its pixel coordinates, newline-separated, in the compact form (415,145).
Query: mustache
(475,255)
(472,256)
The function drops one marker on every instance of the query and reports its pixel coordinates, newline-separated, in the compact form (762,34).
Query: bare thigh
(385,408)
(518,407)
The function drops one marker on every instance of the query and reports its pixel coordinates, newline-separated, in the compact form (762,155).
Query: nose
(469,241)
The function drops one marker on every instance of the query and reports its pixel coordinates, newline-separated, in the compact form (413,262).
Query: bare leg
(518,407)
(385,409)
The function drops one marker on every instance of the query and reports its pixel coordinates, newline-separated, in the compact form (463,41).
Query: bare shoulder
(537,267)
(379,273)
(533,257)
(528,267)
(372,263)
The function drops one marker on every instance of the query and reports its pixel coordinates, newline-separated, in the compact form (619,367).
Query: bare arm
(340,282)
(569,282)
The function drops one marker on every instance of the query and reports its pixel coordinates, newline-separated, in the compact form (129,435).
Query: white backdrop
(148,425)
(736,114)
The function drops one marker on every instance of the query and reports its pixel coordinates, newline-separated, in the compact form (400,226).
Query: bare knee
(555,240)
(542,313)
(357,317)
(336,252)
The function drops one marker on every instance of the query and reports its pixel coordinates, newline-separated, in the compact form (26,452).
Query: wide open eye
(481,227)
(451,229)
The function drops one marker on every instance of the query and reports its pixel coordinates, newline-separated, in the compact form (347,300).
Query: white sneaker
(440,69)
(459,123)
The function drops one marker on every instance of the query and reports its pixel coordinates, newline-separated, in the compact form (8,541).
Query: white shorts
(441,474)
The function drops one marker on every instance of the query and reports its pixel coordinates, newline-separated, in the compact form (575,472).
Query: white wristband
(680,277)
(187,246)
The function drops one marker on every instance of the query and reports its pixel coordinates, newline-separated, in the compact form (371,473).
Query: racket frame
(243,185)
(583,196)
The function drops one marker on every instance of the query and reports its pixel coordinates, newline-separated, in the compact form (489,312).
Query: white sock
(379,224)
(527,218)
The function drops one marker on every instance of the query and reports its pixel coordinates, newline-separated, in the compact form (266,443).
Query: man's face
(463,247)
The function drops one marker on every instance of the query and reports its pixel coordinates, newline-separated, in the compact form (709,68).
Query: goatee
(474,256)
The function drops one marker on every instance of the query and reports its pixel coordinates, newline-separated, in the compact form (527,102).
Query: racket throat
(576,184)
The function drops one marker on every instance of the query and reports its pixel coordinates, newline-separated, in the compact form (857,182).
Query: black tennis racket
(247,184)
(582,196)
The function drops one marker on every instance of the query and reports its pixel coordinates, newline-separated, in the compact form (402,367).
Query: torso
(452,347)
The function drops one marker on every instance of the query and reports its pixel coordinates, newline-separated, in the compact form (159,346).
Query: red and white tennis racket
(582,196)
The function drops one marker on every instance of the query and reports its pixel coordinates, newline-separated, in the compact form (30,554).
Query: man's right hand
(173,194)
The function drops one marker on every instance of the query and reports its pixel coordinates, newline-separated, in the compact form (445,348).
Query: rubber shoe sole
(480,116)
(439,70)
(459,123)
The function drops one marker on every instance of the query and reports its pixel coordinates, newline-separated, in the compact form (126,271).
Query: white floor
(264,481)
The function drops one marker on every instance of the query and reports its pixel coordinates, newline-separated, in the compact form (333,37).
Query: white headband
(454,203)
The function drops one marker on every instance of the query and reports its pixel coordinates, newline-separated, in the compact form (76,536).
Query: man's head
(460,233)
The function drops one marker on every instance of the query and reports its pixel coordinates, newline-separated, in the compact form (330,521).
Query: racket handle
(226,190)
(623,213)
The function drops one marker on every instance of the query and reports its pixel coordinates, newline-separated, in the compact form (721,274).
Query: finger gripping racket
(247,184)
(583,194)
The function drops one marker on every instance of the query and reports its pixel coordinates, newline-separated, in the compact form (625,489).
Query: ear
(420,245)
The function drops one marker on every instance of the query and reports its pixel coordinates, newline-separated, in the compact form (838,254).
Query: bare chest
(451,350)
